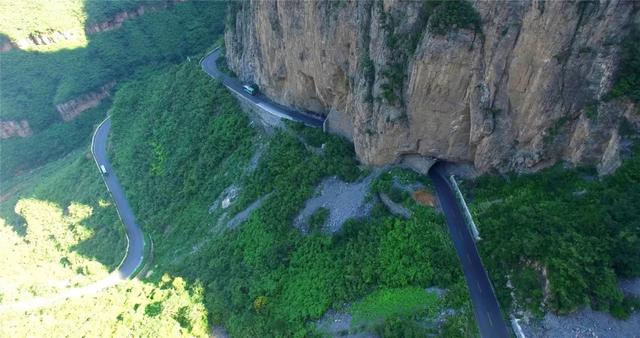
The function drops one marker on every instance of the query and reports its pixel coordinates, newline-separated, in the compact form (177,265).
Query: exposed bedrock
(522,91)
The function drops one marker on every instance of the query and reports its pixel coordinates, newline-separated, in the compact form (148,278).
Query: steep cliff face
(517,86)
(73,108)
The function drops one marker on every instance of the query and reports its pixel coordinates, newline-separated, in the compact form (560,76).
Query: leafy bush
(555,129)
(591,111)
(449,15)
(397,195)
(368,68)
(392,89)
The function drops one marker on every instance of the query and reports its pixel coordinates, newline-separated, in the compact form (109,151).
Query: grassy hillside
(178,153)
(59,229)
(21,154)
(131,309)
(101,11)
(20,19)
(32,83)
(582,232)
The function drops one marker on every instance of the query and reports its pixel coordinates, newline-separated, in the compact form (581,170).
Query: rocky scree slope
(515,85)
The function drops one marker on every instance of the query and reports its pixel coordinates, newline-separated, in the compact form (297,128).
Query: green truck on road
(250,89)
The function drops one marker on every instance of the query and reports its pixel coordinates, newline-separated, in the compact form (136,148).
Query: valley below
(343,169)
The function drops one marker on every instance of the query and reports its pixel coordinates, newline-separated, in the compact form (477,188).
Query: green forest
(581,231)
(175,156)
(265,278)
(32,83)
(59,229)
(555,241)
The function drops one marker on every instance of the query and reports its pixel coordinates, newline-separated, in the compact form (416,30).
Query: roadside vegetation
(19,155)
(176,156)
(561,237)
(59,229)
(32,83)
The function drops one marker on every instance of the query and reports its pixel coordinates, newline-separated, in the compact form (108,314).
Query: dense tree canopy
(579,231)
(179,152)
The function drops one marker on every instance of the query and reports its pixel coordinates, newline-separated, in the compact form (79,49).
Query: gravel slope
(344,201)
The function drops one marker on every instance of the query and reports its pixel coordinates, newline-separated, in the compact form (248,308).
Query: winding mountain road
(485,304)
(208,64)
(135,238)
(486,307)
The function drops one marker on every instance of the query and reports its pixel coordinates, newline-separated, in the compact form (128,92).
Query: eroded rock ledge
(74,107)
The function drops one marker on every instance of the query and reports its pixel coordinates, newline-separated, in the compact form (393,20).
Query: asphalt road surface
(485,303)
(135,237)
(209,66)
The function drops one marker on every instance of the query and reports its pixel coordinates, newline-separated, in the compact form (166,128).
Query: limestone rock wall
(72,108)
(521,92)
